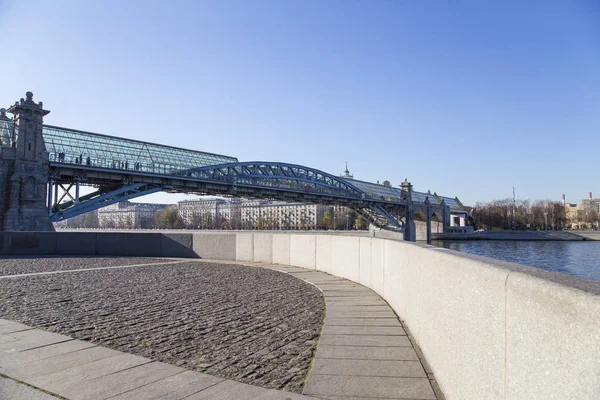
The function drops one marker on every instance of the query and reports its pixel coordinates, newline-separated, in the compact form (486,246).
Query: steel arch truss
(101,198)
(277,176)
(268,180)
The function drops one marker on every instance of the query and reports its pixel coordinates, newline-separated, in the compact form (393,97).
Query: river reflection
(575,258)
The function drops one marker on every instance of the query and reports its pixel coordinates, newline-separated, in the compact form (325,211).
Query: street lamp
(347,216)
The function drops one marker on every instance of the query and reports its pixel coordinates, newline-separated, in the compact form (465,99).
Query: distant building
(584,215)
(250,214)
(280,215)
(210,213)
(127,215)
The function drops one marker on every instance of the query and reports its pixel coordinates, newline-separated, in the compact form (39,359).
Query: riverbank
(571,236)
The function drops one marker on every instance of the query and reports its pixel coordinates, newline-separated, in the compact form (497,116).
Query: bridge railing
(92,149)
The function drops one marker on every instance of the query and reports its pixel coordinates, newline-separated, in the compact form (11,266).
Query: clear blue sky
(466,99)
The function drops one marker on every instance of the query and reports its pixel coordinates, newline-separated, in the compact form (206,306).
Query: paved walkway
(363,353)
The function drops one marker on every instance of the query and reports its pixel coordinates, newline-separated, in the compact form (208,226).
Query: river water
(575,258)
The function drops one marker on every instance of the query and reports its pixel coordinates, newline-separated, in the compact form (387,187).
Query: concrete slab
(367,353)
(344,286)
(400,369)
(281,249)
(363,330)
(28,339)
(337,313)
(12,359)
(35,369)
(363,350)
(356,301)
(11,390)
(263,247)
(349,293)
(365,340)
(14,327)
(228,390)
(75,243)
(323,257)
(349,307)
(218,246)
(336,321)
(303,251)
(67,381)
(244,247)
(360,386)
(123,381)
(174,387)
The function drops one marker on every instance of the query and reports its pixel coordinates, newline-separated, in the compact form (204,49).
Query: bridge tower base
(24,171)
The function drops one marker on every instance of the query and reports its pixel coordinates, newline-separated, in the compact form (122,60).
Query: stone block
(552,339)
(215,246)
(174,387)
(123,381)
(177,245)
(27,339)
(263,247)
(29,372)
(365,340)
(12,359)
(392,368)
(456,312)
(10,389)
(67,382)
(12,328)
(364,276)
(76,243)
(244,248)
(377,264)
(347,321)
(345,257)
(303,250)
(367,353)
(363,330)
(369,387)
(281,248)
(33,243)
(128,244)
(323,257)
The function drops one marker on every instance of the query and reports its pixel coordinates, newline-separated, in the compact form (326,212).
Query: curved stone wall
(489,329)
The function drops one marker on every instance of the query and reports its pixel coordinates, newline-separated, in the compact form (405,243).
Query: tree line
(520,215)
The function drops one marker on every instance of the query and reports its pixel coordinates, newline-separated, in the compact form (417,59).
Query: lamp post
(347,217)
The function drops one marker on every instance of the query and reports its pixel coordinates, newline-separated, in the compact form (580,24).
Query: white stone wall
(488,329)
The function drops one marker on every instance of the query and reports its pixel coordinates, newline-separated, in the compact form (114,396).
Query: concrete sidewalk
(363,353)
(76,369)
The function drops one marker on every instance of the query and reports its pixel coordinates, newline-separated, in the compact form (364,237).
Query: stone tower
(24,170)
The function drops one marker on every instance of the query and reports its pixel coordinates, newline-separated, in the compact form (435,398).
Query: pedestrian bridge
(121,169)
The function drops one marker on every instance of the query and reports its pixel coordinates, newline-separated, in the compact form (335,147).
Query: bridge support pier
(24,171)
(428,213)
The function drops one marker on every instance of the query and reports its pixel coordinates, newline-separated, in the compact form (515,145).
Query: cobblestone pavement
(250,324)
(29,264)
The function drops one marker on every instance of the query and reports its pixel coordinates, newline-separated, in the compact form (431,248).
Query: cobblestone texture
(253,325)
(27,265)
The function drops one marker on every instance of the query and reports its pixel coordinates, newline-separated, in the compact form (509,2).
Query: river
(575,258)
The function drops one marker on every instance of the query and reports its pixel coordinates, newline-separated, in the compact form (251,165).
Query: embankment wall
(489,329)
